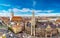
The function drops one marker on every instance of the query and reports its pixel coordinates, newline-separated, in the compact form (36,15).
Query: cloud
(34,3)
(21,10)
(23,14)
(48,14)
(5,5)
(4,13)
(30,10)
(37,12)
(48,11)
(27,12)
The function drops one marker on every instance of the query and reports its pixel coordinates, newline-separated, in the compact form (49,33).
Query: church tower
(33,23)
(12,14)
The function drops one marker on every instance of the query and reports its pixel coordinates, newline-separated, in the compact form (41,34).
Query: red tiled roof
(43,19)
(5,18)
(58,20)
(17,18)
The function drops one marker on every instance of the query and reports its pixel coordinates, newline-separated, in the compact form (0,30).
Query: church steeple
(33,14)
(12,14)
(48,26)
(33,23)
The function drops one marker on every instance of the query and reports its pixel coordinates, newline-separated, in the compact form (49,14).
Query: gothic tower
(33,23)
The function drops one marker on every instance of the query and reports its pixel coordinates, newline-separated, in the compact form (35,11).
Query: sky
(25,7)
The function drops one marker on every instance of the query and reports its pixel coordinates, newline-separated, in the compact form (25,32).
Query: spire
(33,23)
(33,15)
(12,14)
(48,26)
(33,20)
